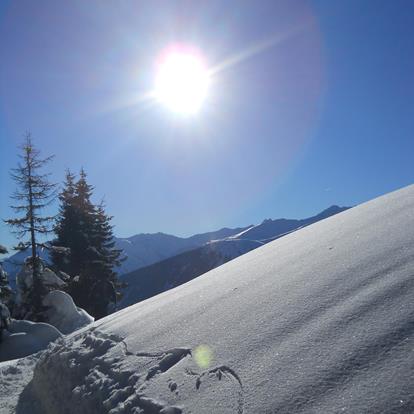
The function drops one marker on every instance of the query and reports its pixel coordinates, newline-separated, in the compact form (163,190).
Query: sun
(182,81)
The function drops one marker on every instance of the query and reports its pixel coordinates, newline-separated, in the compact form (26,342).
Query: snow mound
(47,277)
(26,338)
(63,314)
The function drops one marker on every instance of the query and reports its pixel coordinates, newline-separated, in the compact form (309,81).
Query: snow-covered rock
(319,321)
(13,264)
(47,277)
(26,338)
(63,314)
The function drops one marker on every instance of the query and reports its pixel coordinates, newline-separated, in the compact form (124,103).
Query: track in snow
(96,372)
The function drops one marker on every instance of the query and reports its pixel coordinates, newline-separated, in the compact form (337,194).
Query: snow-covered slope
(319,321)
(174,271)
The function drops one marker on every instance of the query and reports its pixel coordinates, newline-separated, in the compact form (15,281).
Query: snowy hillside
(159,277)
(319,321)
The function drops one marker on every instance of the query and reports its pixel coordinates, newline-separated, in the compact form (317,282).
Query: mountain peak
(334,209)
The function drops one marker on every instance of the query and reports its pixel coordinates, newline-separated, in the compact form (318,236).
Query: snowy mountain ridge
(145,249)
(269,228)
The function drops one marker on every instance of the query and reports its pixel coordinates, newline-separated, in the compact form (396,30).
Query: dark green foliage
(65,225)
(85,229)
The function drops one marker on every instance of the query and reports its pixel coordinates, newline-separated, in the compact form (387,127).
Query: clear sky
(311,104)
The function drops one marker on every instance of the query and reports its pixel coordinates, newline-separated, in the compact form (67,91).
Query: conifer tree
(65,227)
(82,253)
(34,193)
(84,228)
(74,228)
(105,283)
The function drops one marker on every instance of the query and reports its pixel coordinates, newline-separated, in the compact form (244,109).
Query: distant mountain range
(145,249)
(149,281)
(139,251)
(158,262)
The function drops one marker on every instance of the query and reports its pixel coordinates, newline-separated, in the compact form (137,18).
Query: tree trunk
(37,286)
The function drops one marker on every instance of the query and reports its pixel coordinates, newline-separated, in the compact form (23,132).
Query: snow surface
(63,314)
(14,378)
(319,321)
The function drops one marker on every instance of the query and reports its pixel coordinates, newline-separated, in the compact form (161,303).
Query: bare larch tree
(34,193)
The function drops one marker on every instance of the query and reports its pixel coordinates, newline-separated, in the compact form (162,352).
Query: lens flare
(203,356)
(182,81)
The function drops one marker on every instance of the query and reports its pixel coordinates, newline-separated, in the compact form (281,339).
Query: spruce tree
(74,228)
(105,282)
(82,253)
(65,227)
(34,193)
(84,228)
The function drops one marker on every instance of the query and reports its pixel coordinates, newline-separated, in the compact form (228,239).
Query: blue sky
(324,115)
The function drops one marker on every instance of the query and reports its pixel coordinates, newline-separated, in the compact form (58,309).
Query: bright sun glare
(182,82)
